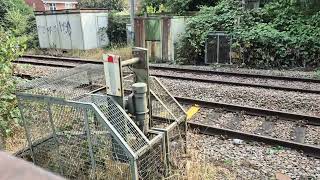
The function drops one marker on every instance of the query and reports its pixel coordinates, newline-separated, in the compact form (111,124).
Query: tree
(178,6)
(117,5)
(18,18)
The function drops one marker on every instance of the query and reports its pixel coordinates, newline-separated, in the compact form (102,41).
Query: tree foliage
(177,6)
(117,28)
(10,49)
(282,34)
(117,5)
(18,18)
(17,28)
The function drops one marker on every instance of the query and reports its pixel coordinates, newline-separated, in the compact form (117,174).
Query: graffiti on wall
(65,28)
(53,31)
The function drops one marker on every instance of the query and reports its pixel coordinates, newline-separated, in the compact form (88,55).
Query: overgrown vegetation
(18,18)
(282,34)
(117,31)
(175,6)
(10,48)
(17,31)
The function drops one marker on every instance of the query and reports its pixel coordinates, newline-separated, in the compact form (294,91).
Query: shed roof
(71,11)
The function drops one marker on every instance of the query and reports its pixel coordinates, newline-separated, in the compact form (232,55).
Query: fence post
(93,162)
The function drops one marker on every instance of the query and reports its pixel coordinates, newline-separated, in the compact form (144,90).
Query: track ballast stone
(252,160)
(294,102)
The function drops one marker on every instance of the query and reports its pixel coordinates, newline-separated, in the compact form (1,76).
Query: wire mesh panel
(71,139)
(151,165)
(121,121)
(165,98)
(169,117)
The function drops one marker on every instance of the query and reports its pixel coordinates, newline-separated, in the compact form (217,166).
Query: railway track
(213,133)
(303,85)
(285,129)
(300,130)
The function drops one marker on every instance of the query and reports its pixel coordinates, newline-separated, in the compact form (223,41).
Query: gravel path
(271,82)
(261,125)
(256,97)
(253,160)
(289,73)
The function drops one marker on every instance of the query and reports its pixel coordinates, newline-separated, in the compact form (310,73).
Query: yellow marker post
(192,111)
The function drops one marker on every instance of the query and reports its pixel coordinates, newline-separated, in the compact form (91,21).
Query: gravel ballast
(227,78)
(260,125)
(288,73)
(252,160)
(294,102)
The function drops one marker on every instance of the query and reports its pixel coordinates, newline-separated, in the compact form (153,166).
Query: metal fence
(78,134)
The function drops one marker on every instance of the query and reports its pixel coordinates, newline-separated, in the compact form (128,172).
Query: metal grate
(218,48)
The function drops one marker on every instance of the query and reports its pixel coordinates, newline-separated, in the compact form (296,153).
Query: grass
(122,50)
(17,140)
(198,168)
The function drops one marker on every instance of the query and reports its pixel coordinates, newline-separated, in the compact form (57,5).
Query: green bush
(177,6)
(279,35)
(10,49)
(116,30)
(18,18)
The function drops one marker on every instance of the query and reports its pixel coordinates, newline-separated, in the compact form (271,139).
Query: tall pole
(132,9)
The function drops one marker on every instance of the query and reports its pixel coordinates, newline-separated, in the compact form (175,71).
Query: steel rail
(311,120)
(282,88)
(232,83)
(211,130)
(75,60)
(239,74)
(249,75)
(49,64)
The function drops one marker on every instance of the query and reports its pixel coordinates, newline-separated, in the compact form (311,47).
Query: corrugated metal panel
(76,31)
(64,31)
(102,25)
(166,26)
(159,35)
(42,31)
(89,26)
(139,32)
(153,30)
(72,30)
(53,33)
(154,50)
